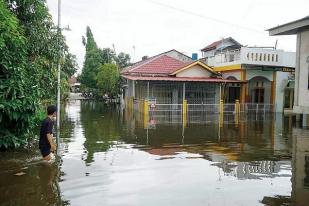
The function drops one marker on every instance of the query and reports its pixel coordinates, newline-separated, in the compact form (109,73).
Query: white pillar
(147,90)
(220,97)
(133,88)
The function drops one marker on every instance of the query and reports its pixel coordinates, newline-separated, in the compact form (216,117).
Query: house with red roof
(171,77)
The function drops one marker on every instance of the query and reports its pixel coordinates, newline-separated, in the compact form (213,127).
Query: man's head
(51,110)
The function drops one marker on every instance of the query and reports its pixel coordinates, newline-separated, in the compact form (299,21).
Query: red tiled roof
(181,79)
(158,65)
(212,45)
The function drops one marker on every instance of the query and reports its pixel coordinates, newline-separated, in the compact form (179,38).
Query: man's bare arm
(51,142)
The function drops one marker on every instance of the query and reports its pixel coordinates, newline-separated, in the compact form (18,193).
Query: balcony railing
(253,56)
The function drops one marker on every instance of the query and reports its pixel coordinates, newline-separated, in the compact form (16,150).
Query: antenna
(114,49)
(133,53)
(276,44)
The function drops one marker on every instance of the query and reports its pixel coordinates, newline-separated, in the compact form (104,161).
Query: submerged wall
(301,100)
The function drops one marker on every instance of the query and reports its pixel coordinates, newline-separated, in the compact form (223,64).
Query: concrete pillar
(184,91)
(273,89)
(148,90)
(175,96)
(305,120)
(133,88)
(243,87)
(184,113)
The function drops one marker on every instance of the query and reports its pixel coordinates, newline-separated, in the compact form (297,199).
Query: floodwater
(112,157)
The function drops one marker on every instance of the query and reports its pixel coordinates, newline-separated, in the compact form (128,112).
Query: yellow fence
(146,108)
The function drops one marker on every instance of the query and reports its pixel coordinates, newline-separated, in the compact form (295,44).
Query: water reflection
(101,127)
(38,186)
(114,157)
(124,149)
(300,163)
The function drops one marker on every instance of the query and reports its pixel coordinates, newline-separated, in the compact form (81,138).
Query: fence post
(184,107)
(221,111)
(237,112)
(146,107)
(221,108)
(131,103)
(141,106)
(184,112)
(146,112)
(257,108)
(237,107)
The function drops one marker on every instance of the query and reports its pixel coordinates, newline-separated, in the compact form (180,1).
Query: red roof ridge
(140,63)
(146,61)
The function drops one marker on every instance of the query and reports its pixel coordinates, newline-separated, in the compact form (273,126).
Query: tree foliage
(15,96)
(29,49)
(123,60)
(92,76)
(92,63)
(108,80)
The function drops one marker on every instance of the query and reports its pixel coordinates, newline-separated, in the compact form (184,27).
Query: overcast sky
(155,26)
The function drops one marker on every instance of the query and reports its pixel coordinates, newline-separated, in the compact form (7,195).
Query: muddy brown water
(112,157)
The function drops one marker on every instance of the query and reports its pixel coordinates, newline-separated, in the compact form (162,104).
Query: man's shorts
(45,151)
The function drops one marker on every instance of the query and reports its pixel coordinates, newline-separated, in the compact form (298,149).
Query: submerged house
(171,77)
(269,72)
(300,28)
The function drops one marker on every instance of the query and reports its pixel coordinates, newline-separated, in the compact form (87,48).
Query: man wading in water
(46,143)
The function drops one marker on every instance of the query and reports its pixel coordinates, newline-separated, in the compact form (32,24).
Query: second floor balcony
(253,56)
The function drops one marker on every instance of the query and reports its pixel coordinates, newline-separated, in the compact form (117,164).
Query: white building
(301,29)
(267,70)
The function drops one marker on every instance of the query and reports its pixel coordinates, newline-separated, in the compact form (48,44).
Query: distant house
(299,27)
(268,71)
(74,85)
(172,77)
(220,46)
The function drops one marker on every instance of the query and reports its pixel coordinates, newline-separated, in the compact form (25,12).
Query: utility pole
(58,78)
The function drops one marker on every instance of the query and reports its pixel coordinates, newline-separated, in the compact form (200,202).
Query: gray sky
(155,26)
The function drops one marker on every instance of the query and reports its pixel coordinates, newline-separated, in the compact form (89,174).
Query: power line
(205,17)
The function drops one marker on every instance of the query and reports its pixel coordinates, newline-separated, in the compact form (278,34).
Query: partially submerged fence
(151,111)
(151,106)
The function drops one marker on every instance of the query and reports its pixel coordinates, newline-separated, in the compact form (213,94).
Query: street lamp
(59,29)
(58,78)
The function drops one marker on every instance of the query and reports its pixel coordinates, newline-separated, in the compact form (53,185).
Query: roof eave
(290,27)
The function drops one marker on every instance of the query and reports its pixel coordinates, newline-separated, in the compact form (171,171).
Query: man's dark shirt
(46,128)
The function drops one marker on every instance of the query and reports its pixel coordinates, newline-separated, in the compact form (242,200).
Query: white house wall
(301,100)
(177,55)
(254,73)
(236,74)
(281,82)
(194,71)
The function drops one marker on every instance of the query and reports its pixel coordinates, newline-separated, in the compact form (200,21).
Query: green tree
(95,57)
(18,95)
(92,63)
(108,56)
(123,60)
(43,45)
(108,79)
(29,49)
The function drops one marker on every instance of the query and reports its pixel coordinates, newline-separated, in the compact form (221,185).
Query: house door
(259,95)
(234,94)
(288,98)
